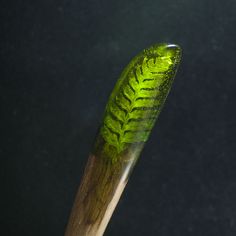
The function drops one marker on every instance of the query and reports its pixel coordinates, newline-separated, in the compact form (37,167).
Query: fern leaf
(138,97)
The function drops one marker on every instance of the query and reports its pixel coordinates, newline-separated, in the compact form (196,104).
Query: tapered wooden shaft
(101,187)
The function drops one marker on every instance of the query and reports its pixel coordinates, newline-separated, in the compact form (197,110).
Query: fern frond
(139,95)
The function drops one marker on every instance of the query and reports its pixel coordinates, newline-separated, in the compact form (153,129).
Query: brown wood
(101,187)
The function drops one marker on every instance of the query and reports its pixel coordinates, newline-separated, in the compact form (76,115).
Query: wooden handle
(97,197)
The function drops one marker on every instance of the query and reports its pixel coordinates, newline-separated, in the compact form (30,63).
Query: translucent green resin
(139,95)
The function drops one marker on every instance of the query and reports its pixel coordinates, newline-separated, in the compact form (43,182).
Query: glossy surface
(131,111)
(139,95)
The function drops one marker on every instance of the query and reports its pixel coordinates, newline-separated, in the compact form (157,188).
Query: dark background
(59,63)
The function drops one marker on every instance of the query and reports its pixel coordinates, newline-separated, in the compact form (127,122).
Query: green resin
(138,96)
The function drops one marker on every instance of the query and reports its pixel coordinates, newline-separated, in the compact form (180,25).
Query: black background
(59,63)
